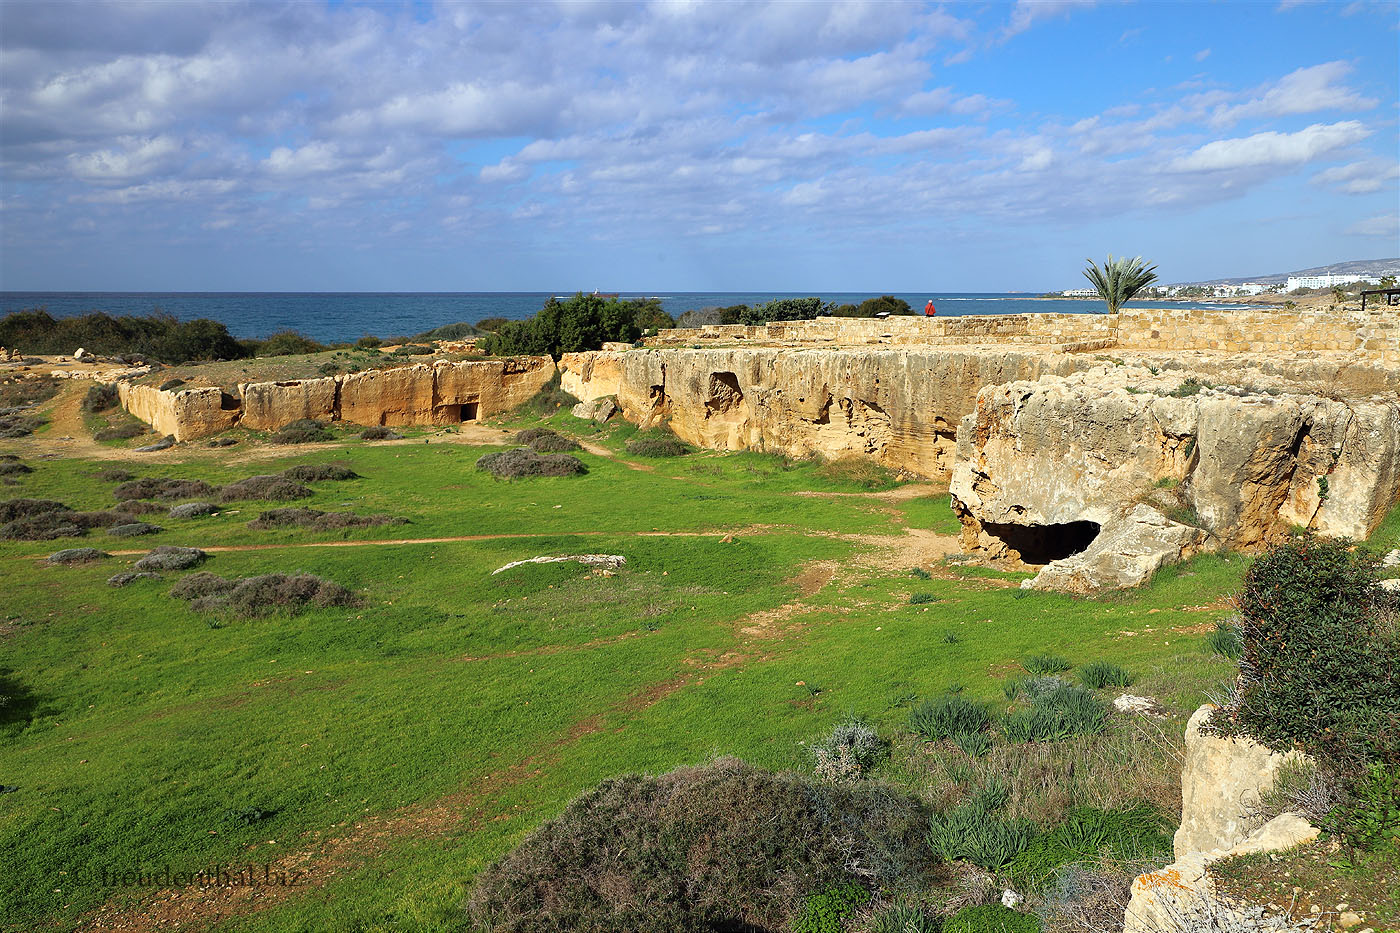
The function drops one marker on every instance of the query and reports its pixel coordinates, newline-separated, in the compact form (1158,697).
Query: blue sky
(877,146)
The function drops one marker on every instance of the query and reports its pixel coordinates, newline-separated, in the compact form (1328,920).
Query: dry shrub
(192,510)
(305,431)
(142,507)
(170,557)
(252,597)
(114,475)
(265,488)
(133,529)
(319,472)
(553,443)
(522,461)
(120,433)
(130,576)
(77,555)
(12,468)
(1089,897)
(156,487)
(722,846)
(223,442)
(529,434)
(321,521)
(45,526)
(12,509)
(15,423)
(100,398)
(657,445)
(380,433)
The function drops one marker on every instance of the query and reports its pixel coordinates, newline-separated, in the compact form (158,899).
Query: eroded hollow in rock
(1040,544)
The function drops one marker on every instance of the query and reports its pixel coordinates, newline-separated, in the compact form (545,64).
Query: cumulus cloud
(1381,225)
(1362,177)
(1271,148)
(1307,90)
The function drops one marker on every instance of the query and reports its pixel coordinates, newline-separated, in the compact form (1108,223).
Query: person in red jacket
(928,309)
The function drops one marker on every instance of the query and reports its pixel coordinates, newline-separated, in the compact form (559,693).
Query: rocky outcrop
(1222,780)
(899,407)
(438,394)
(183,414)
(1043,463)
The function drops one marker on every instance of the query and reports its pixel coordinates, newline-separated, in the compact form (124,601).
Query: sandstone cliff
(443,393)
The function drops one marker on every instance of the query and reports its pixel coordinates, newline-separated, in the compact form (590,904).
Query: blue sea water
(335,317)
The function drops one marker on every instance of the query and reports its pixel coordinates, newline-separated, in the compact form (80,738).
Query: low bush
(522,461)
(13,468)
(922,599)
(973,744)
(45,526)
(991,918)
(319,472)
(1099,674)
(321,521)
(223,441)
(77,555)
(153,487)
(169,384)
(134,529)
(1133,834)
(130,576)
(530,434)
(946,716)
(192,510)
(1044,664)
(264,488)
(304,431)
(554,443)
(286,343)
(849,752)
(1318,662)
(12,509)
(16,423)
(252,597)
(120,433)
(170,557)
(159,336)
(549,399)
(413,349)
(657,444)
(100,398)
(1091,896)
(380,433)
(829,911)
(142,507)
(722,846)
(114,475)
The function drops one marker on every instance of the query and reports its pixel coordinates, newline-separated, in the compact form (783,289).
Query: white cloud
(1026,13)
(1381,225)
(1363,177)
(1271,148)
(1306,90)
(1202,55)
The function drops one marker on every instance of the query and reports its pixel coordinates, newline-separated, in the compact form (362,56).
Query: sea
(335,317)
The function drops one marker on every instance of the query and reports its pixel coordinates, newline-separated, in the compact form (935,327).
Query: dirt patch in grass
(1317,874)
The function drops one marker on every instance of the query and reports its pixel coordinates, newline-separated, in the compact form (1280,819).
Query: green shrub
(991,918)
(920,573)
(583,322)
(1099,674)
(783,309)
(1045,664)
(1135,833)
(158,336)
(722,846)
(947,715)
(1225,640)
(120,433)
(100,398)
(1318,665)
(657,444)
(287,343)
(973,744)
(920,599)
(371,342)
(1189,388)
(549,399)
(828,911)
(1370,816)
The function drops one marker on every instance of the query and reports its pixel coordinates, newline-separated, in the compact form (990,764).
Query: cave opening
(1041,544)
(469,410)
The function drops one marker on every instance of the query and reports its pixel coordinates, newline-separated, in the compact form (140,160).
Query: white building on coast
(1326,281)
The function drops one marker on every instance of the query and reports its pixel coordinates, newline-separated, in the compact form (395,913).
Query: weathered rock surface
(1038,459)
(899,407)
(599,409)
(443,393)
(1221,783)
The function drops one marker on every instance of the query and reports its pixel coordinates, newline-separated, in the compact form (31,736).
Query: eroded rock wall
(441,393)
(185,414)
(899,407)
(1244,465)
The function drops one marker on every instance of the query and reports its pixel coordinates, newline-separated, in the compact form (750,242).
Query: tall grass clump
(975,832)
(1224,640)
(948,716)
(1099,674)
(1045,664)
(1061,713)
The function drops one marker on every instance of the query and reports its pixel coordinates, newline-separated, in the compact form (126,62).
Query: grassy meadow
(389,751)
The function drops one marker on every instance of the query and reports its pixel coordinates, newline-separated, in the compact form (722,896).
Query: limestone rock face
(269,405)
(1244,465)
(1128,550)
(599,409)
(899,407)
(185,414)
(1221,780)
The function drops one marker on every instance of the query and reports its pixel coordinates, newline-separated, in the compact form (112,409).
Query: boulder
(599,409)
(1127,551)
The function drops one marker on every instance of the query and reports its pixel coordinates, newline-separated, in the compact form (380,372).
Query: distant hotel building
(1326,281)
(1079,293)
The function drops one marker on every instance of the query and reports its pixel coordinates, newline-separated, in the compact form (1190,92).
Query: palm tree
(1119,279)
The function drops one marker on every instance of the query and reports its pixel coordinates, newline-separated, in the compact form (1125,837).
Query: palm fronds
(1119,279)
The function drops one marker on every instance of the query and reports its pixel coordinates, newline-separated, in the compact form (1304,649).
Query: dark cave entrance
(469,410)
(1040,544)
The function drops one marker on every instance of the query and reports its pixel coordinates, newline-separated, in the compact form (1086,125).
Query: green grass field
(394,749)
